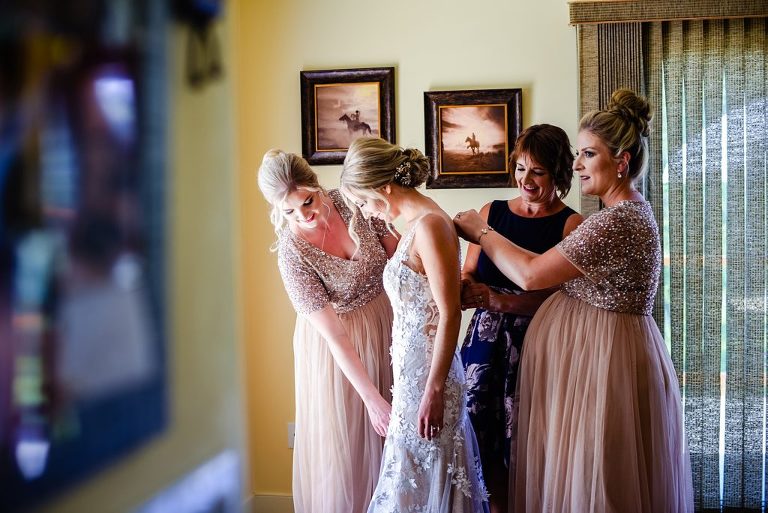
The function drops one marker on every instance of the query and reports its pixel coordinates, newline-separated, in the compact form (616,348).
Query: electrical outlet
(291,434)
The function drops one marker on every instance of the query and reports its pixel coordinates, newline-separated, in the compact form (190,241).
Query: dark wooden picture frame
(364,96)
(491,119)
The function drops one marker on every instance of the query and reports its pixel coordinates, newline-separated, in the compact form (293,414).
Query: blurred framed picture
(82,241)
(469,135)
(338,106)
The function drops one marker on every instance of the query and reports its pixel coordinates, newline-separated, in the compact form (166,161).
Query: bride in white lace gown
(430,461)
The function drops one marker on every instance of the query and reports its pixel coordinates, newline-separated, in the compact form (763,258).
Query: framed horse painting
(338,106)
(469,135)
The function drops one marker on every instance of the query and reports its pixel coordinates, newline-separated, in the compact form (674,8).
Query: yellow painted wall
(203,267)
(434,45)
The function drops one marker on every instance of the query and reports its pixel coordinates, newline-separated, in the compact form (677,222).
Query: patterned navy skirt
(491,356)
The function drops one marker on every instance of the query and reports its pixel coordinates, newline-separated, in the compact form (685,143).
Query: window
(708,180)
(703,65)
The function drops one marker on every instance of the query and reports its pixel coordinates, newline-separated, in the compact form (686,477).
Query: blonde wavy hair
(279,175)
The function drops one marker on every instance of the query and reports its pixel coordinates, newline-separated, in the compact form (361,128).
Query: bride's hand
(431,414)
(379,411)
(468,225)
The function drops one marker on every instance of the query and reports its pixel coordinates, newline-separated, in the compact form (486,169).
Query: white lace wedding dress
(419,476)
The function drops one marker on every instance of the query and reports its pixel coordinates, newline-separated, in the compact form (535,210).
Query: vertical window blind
(708,184)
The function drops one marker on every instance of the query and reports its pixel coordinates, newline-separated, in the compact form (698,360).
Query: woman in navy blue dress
(536,220)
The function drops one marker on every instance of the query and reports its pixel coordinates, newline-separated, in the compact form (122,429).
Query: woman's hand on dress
(475,295)
(468,225)
(379,411)
(431,414)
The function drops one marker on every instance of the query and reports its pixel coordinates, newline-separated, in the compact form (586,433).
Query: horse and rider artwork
(341,105)
(473,144)
(346,112)
(473,139)
(355,125)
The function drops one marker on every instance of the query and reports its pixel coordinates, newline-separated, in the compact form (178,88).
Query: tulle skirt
(600,423)
(337,453)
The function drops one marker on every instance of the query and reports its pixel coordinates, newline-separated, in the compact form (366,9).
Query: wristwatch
(484,231)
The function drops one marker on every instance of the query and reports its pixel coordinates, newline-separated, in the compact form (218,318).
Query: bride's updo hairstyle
(624,125)
(280,174)
(372,163)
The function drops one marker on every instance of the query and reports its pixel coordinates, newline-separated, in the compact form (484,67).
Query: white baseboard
(269,504)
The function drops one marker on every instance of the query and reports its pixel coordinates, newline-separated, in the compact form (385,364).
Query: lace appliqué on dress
(416,472)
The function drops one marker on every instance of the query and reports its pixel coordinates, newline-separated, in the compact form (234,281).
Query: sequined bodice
(314,278)
(619,252)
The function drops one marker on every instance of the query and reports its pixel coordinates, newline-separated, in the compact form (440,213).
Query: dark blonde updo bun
(633,108)
(370,164)
(418,167)
(624,126)
(373,162)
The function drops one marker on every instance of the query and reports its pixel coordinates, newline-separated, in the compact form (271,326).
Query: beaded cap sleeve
(378,226)
(619,252)
(314,278)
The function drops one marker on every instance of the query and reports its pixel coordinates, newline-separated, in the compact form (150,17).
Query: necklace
(327,225)
(325,231)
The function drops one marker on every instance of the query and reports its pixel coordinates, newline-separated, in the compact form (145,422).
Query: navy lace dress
(491,349)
